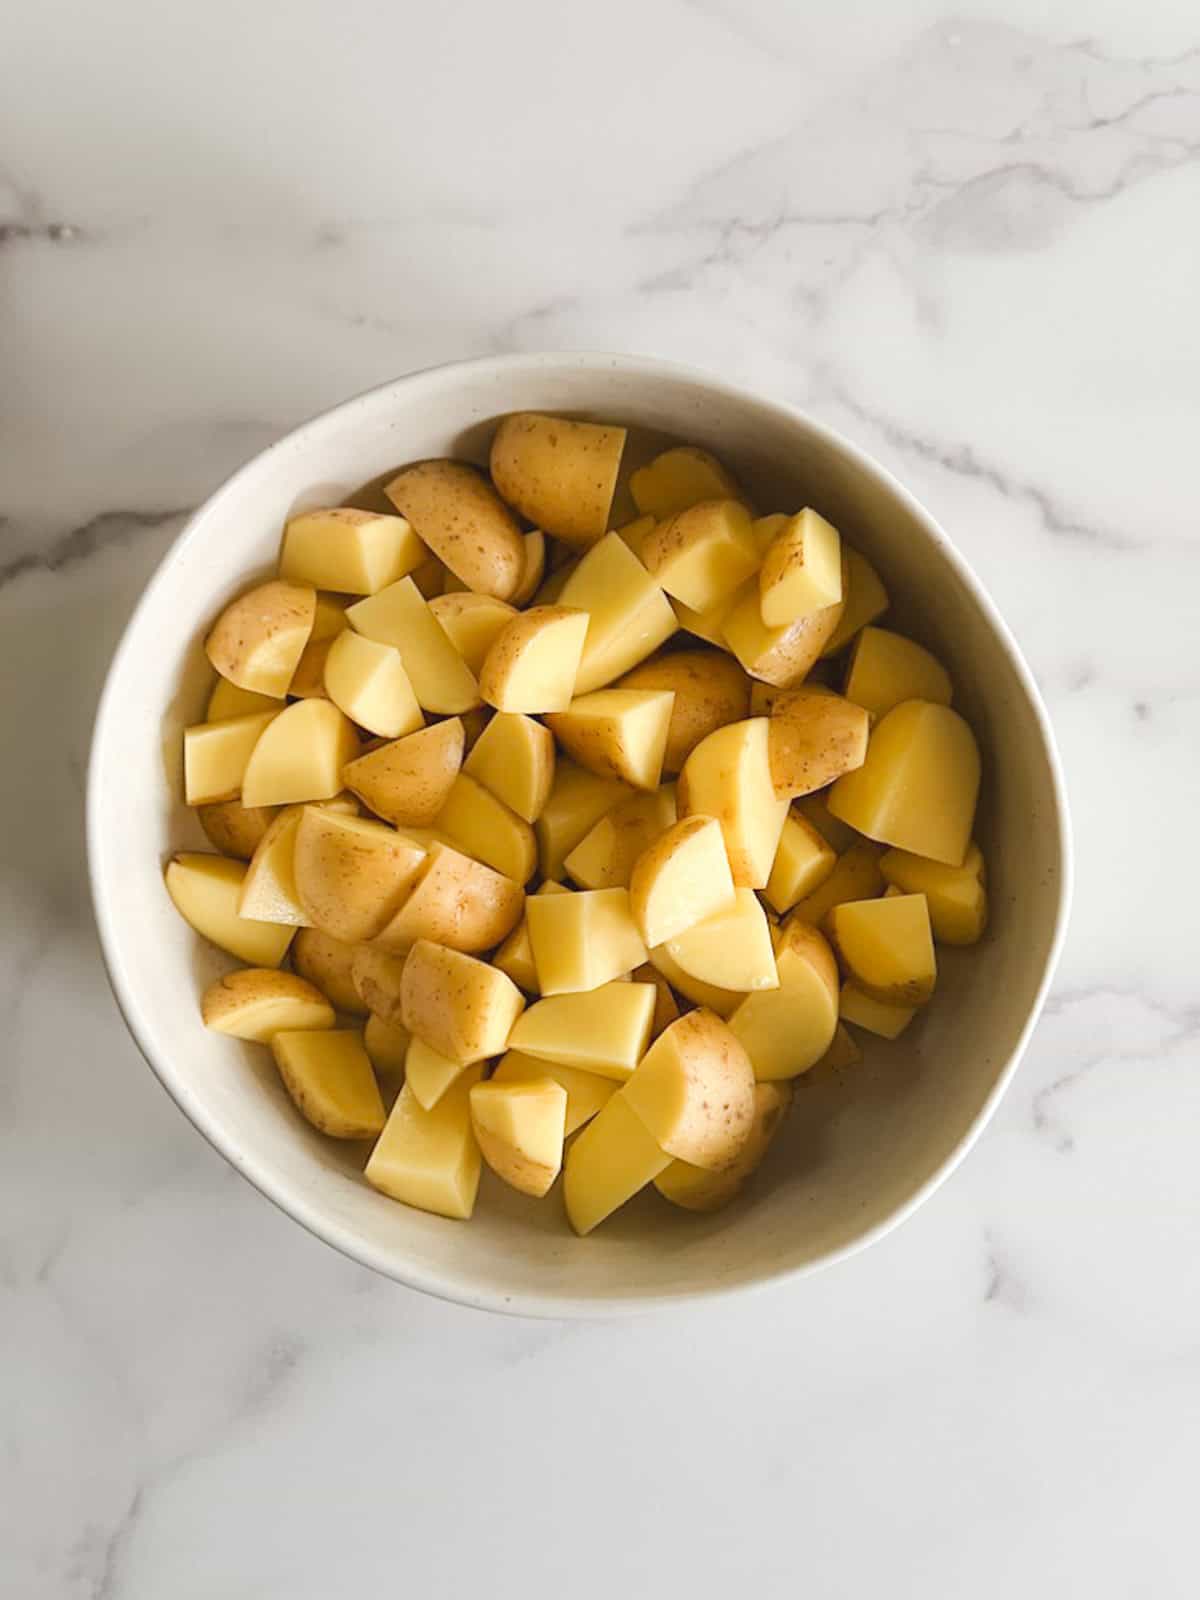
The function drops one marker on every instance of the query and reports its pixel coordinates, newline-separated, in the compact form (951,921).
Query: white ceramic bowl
(859,1153)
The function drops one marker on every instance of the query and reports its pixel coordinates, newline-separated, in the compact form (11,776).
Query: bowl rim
(444,1285)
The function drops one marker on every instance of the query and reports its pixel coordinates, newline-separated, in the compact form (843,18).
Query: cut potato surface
(855,876)
(612,1159)
(299,756)
(617,733)
(787,1030)
(259,1002)
(328,1075)
(604,1030)
(377,975)
(696,1189)
(235,829)
(583,939)
(814,738)
(515,955)
(956,896)
(387,1045)
(461,518)
(605,857)
(408,780)
(918,786)
(227,700)
(367,681)
(587,1092)
(472,622)
(351,551)
(865,599)
(559,474)
(886,668)
(709,691)
(666,1006)
(781,656)
(520,1126)
(269,888)
(889,1022)
(728,776)
(327,963)
(484,827)
(514,759)
(308,680)
(206,890)
(629,615)
(578,799)
(694,1091)
(801,570)
(731,948)
(460,1007)
(802,863)
(704,553)
(215,755)
(429,1074)
(680,879)
(713,998)
(813,809)
(886,948)
(430,1159)
(400,616)
(456,901)
(678,479)
(257,640)
(533,664)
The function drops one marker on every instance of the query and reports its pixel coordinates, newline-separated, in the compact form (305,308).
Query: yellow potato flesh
(215,755)
(680,478)
(367,681)
(787,1030)
(578,799)
(473,623)
(256,1003)
(666,1007)
(886,947)
(269,887)
(709,624)
(350,551)
(618,733)
(856,876)
(604,1030)
(560,474)
(377,976)
(702,554)
(227,700)
(533,664)
(765,530)
(300,755)
(801,571)
(407,780)
(329,619)
(520,1127)
(918,786)
(837,835)
(351,873)
(328,1075)
(456,901)
(387,1045)
(429,1074)
(865,599)
(709,690)
(308,680)
(782,655)
(886,668)
(802,863)
(430,1159)
(460,1007)
(258,639)
(731,948)
(696,1189)
(399,616)
(515,955)
(612,1159)
(629,615)
(533,567)
(694,1091)
(635,533)
(605,857)
(514,759)
(887,1021)
(956,895)
(721,1001)
(587,1092)
(728,776)
(583,939)
(206,890)
(327,963)
(484,827)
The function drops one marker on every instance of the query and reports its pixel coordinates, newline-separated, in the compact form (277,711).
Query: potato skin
(376,975)
(812,739)
(457,902)
(462,519)
(326,962)
(248,986)
(406,781)
(710,690)
(559,473)
(235,829)
(254,619)
(458,1006)
(505,656)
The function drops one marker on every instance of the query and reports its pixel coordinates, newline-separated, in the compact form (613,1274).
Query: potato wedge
(666,1007)
(889,1022)
(328,1075)
(462,519)
(533,664)
(205,890)
(235,829)
(607,854)
(680,879)
(269,887)
(802,863)
(918,786)
(604,1030)
(787,1030)
(227,700)
(731,948)
(679,479)
(376,975)
(694,1092)
(308,680)
(783,655)
(326,963)
(430,1159)
(728,776)
(257,640)
(456,901)
(613,1158)
(956,896)
(407,781)
(709,691)
(812,739)
(886,948)
(587,1092)
(484,827)
(886,668)
(399,616)
(703,553)
(428,1074)
(348,550)
(367,681)
(630,616)
(578,799)
(299,756)
(520,1127)
(387,1045)
(259,1002)
(722,1001)
(855,876)
(215,755)
(559,474)
(352,874)
(695,1189)
(513,759)
(472,622)
(865,599)
(461,1007)
(617,733)
(533,567)
(801,570)
(583,939)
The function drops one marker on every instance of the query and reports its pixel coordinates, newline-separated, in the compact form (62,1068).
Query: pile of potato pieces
(430,709)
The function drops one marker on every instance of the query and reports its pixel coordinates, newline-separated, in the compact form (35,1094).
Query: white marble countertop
(971,244)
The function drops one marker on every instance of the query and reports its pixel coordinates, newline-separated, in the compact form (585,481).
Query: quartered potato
(406,781)
(352,873)
(629,615)
(534,662)
(328,1075)
(604,1030)
(206,891)
(680,478)
(215,756)
(327,963)
(704,553)
(956,896)
(709,692)
(607,854)
(514,758)
(235,829)
(864,597)
(461,518)
(812,739)
(300,755)
(788,1029)
(520,1125)
(259,1002)
(351,551)
(430,1159)
(455,901)
(728,776)
(459,1006)
(257,640)
(801,570)
(617,733)
(559,474)
(400,616)
(694,1092)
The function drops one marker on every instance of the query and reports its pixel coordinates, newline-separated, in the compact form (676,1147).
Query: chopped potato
(781,656)
(235,829)
(399,616)
(351,551)
(709,691)
(701,554)
(520,1126)
(697,1189)
(215,755)
(613,1158)
(328,1075)
(617,733)
(722,1001)
(533,664)
(843,1051)
(352,873)
(559,474)
(407,780)
(605,857)
(387,1045)
(856,876)
(472,622)
(587,1092)
(367,681)
(666,1006)
(801,570)
(604,1030)
(678,479)
(956,896)
(483,826)
(461,518)
(428,1074)
(787,1030)
(258,638)
(206,890)
(694,1091)
(583,939)
(680,879)
(886,948)
(730,948)
(259,1002)
(802,863)
(813,738)
(866,1012)
(300,755)
(515,955)
(728,776)
(533,567)
(327,963)
(430,1159)
(629,615)
(514,759)
(578,799)
(227,700)
(886,668)
(456,901)
(461,1007)
(865,599)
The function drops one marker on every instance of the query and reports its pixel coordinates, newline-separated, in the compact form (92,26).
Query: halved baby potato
(257,640)
(400,616)
(520,1126)
(709,691)
(367,681)
(814,737)
(533,664)
(680,879)
(559,474)
(299,755)
(514,759)
(728,776)
(473,819)
(702,554)
(604,1030)
(462,519)
(730,948)
(406,781)
(215,756)
(206,890)
(352,873)
(787,1030)
(678,479)
(328,1075)
(461,1007)
(259,1002)
(348,550)
(617,733)
(694,1092)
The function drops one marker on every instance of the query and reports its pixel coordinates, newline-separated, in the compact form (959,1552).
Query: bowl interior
(861,1146)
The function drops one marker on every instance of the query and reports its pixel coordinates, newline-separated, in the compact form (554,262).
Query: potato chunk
(259,1002)
(514,759)
(327,963)
(227,700)
(814,737)
(387,1046)
(587,1092)
(956,895)
(351,551)
(886,668)
(855,876)
(206,890)
(461,1007)
(578,799)
(472,622)
(299,756)
(709,691)
(581,940)
(617,733)
(406,781)
(678,479)
(429,1074)
(680,879)
(694,1091)
(399,616)
(367,681)
(235,829)
(696,1189)
(328,1075)
(430,1159)
(533,567)
(918,786)
(215,755)
(520,1127)
(484,827)
(802,863)
(456,901)
(351,873)
(728,776)
(257,640)
(703,553)
(462,519)
(604,1030)
(721,1001)
(533,664)
(559,474)
(606,856)
(801,571)
(730,948)
(787,1030)
(865,598)
(629,615)
(889,1022)
(886,947)
(613,1158)
(781,656)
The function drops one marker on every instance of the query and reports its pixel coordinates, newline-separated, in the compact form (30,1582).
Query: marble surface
(973,245)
